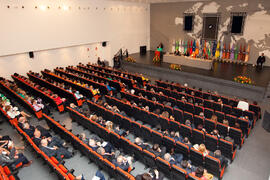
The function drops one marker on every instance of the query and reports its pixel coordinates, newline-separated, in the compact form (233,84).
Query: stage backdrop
(166,23)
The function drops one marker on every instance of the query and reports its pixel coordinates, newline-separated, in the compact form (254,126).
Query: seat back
(168,142)
(196,157)
(208,112)
(182,149)
(209,125)
(211,142)
(223,129)
(197,136)
(157,137)
(185,131)
(163,165)
(178,173)
(198,120)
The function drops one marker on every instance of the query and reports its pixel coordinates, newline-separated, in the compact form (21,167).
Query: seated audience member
(199,172)
(173,159)
(215,133)
(217,154)
(104,154)
(203,149)
(187,142)
(214,118)
(12,158)
(83,138)
(243,104)
(29,130)
(120,132)
(153,174)
(139,142)
(176,136)
(225,122)
(157,151)
(189,124)
(122,162)
(186,165)
(57,152)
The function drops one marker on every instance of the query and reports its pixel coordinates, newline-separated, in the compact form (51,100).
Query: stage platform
(188,61)
(219,78)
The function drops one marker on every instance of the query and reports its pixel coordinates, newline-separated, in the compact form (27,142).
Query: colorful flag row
(213,50)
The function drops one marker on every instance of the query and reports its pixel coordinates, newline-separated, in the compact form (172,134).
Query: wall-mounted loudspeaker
(142,50)
(104,44)
(31,54)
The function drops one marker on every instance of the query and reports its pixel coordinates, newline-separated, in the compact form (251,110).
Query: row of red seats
(215,106)
(58,168)
(57,89)
(87,151)
(84,90)
(190,110)
(21,100)
(21,82)
(234,133)
(117,85)
(211,163)
(101,86)
(228,101)
(110,70)
(127,81)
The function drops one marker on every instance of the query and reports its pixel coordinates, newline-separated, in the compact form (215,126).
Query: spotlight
(42,7)
(65,8)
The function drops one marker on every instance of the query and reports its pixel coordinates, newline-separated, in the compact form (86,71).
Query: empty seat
(223,129)
(207,104)
(188,116)
(208,112)
(146,133)
(149,158)
(198,120)
(185,131)
(136,128)
(237,112)
(189,107)
(227,149)
(178,115)
(178,173)
(217,106)
(197,136)
(157,137)
(196,157)
(227,109)
(182,148)
(211,142)
(168,142)
(237,135)
(209,125)
(198,109)
(163,165)
(174,126)
(213,166)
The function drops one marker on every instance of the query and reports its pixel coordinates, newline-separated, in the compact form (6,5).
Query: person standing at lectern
(261,60)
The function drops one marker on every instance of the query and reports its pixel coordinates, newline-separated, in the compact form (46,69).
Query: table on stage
(188,61)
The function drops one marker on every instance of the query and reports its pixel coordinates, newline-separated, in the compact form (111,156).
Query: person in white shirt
(243,105)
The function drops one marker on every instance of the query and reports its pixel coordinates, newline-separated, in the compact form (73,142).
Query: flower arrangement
(175,67)
(130,59)
(243,80)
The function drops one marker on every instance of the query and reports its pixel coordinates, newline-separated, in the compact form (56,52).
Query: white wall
(49,59)
(121,24)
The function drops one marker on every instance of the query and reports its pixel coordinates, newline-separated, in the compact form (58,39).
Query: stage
(219,78)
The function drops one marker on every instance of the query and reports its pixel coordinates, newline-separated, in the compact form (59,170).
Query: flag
(217,50)
(185,47)
(204,50)
(191,46)
(214,48)
(209,50)
(235,52)
(232,53)
(240,53)
(247,53)
(197,48)
(224,51)
(244,53)
(228,52)
(221,51)
(194,46)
